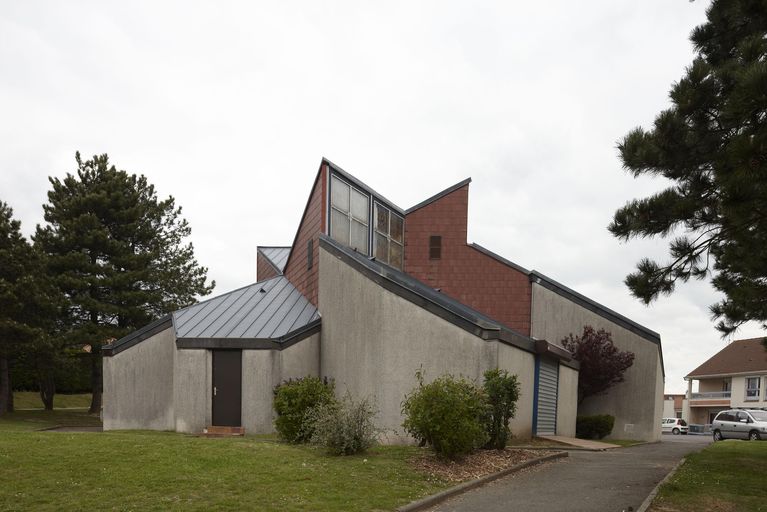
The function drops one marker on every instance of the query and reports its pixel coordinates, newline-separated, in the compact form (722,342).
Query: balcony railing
(711,395)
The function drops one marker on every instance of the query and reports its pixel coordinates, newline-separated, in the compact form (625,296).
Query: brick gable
(464,272)
(312,224)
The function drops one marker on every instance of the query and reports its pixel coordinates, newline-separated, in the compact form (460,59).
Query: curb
(648,500)
(434,499)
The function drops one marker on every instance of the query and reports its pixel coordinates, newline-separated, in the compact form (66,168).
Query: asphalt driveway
(611,481)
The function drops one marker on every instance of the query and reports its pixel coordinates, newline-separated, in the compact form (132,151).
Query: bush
(594,427)
(502,392)
(345,427)
(447,414)
(293,399)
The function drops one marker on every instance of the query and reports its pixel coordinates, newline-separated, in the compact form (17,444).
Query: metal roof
(266,310)
(277,256)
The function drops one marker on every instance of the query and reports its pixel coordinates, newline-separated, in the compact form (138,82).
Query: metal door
(227,388)
(546,390)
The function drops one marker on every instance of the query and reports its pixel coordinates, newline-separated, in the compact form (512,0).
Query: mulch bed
(476,465)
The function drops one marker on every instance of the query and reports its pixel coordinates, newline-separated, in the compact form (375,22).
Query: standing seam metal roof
(277,256)
(265,310)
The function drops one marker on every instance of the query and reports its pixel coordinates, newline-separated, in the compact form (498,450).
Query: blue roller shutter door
(548,384)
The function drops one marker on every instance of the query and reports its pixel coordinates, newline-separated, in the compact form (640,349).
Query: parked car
(674,425)
(748,424)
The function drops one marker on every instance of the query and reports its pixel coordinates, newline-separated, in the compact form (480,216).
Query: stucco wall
(262,370)
(192,389)
(138,385)
(738,398)
(373,341)
(636,403)
(567,401)
(522,364)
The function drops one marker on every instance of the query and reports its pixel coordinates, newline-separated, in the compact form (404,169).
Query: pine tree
(117,253)
(27,306)
(712,144)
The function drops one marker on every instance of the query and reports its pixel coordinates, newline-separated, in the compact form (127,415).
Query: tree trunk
(6,394)
(47,390)
(95,383)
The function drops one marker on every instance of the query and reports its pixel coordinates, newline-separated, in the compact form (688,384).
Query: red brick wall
(464,273)
(312,224)
(264,269)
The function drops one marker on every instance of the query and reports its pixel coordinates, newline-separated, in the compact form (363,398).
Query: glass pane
(339,226)
(339,194)
(396,228)
(382,219)
(382,248)
(359,237)
(360,209)
(395,254)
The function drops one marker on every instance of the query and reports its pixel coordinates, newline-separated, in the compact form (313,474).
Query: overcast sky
(229,107)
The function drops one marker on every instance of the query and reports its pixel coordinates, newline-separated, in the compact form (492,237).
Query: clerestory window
(388,237)
(349,215)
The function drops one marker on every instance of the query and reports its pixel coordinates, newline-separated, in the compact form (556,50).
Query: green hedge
(594,427)
(294,400)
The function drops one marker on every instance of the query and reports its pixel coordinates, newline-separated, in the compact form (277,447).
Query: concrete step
(218,431)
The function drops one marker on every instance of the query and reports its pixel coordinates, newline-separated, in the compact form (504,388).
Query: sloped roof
(277,256)
(740,356)
(442,305)
(267,310)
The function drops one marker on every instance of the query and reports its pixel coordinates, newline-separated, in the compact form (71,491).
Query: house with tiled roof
(736,376)
(367,294)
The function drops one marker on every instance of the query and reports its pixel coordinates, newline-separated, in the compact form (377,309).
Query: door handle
(214,390)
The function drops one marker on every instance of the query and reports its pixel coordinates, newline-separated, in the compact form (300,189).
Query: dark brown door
(227,388)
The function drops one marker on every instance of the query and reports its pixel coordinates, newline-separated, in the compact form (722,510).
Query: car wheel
(753,436)
(718,436)
(675,431)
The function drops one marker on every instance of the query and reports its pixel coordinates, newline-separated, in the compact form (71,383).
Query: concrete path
(610,481)
(586,444)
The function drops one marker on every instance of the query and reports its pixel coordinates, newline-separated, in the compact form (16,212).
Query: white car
(674,425)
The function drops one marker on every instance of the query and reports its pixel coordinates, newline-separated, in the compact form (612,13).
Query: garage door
(546,406)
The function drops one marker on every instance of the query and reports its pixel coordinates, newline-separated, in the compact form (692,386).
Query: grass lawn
(726,476)
(31,400)
(161,471)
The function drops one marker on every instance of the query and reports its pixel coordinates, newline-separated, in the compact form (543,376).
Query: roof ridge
(438,195)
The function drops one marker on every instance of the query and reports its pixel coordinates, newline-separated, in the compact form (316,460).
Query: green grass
(168,471)
(724,476)
(31,400)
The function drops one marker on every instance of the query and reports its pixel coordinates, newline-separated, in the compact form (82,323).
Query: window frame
(758,396)
(374,231)
(349,215)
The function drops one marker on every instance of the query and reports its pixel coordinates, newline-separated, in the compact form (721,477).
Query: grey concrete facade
(373,342)
(138,385)
(154,385)
(636,403)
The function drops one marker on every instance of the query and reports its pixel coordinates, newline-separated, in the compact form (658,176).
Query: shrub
(502,392)
(345,427)
(594,427)
(293,399)
(447,414)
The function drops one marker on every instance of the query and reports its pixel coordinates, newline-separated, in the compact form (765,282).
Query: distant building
(673,406)
(736,376)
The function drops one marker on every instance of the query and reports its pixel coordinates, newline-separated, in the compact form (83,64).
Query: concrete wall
(636,403)
(522,364)
(262,370)
(138,385)
(373,341)
(192,389)
(567,401)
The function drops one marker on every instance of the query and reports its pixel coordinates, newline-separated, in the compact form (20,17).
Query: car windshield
(759,415)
